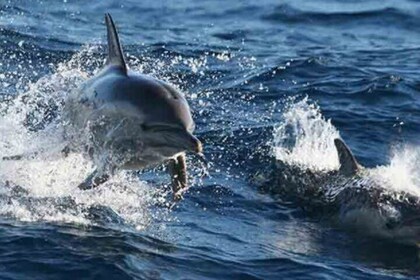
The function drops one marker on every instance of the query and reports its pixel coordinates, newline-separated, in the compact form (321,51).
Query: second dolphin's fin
(178,171)
(348,163)
(115,53)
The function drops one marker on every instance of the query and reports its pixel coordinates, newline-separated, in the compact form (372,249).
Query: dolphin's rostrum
(125,120)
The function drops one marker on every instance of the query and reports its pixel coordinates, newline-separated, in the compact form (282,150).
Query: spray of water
(402,173)
(305,138)
(43,185)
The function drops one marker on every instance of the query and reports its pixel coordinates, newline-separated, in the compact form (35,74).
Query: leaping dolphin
(126,120)
(133,121)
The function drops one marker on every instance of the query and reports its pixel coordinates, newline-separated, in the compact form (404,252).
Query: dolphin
(124,120)
(133,121)
(350,196)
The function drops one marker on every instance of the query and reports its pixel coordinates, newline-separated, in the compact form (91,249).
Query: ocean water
(251,71)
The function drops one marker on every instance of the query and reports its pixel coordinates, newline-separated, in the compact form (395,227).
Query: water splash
(36,187)
(402,173)
(305,137)
(43,185)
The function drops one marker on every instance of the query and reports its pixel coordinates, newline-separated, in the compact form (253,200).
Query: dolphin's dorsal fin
(115,53)
(348,163)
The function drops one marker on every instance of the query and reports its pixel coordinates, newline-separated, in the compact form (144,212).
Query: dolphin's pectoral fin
(115,53)
(178,171)
(93,180)
(348,163)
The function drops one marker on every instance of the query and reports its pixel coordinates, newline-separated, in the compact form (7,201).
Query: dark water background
(238,62)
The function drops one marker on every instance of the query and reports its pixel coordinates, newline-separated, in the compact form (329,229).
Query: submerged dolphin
(126,120)
(349,195)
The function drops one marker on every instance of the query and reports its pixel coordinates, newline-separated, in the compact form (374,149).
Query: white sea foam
(402,173)
(305,138)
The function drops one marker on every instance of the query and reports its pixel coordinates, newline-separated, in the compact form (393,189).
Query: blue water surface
(239,62)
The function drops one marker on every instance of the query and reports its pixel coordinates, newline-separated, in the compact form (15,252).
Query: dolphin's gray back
(136,96)
(127,94)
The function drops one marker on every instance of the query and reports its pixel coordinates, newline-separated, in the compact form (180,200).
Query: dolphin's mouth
(127,141)
(180,139)
(170,137)
(193,144)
